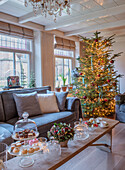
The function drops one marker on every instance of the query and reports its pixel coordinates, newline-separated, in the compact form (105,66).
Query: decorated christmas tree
(97,83)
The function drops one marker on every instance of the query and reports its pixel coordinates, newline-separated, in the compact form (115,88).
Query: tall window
(14,59)
(63,65)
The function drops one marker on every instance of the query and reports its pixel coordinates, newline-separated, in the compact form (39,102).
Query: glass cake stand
(25,130)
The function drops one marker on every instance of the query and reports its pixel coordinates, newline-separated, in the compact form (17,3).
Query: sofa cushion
(61,99)
(6,138)
(7,126)
(2,116)
(45,121)
(9,105)
(27,102)
(48,103)
(13,120)
(122,108)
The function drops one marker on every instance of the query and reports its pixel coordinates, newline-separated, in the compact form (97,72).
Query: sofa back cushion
(61,99)
(27,102)
(9,104)
(48,103)
(2,116)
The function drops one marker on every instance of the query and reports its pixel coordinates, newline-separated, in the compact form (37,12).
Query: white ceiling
(86,16)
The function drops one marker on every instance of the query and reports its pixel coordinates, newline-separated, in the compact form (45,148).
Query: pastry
(25,135)
(30,135)
(34,134)
(20,132)
(24,151)
(13,146)
(21,137)
(36,148)
(31,150)
(27,131)
(16,150)
(18,145)
(16,135)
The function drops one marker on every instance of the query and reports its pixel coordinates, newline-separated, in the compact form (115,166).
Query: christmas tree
(97,83)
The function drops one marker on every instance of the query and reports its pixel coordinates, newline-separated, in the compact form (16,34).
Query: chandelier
(51,7)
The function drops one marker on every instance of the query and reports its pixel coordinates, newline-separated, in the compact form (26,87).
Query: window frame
(64,57)
(14,51)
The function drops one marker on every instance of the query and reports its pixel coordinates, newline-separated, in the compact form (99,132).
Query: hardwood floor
(94,159)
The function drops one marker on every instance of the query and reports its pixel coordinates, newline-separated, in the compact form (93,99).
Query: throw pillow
(27,102)
(48,103)
(61,99)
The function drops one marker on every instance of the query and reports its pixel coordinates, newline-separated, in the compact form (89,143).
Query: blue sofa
(120,107)
(9,115)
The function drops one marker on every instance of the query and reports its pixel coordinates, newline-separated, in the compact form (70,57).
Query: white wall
(119,46)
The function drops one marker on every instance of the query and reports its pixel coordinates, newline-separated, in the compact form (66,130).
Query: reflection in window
(63,65)
(14,64)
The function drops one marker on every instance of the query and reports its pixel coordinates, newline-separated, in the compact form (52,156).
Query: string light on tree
(96,85)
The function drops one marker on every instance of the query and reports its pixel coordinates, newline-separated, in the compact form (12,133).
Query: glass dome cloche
(81,130)
(25,129)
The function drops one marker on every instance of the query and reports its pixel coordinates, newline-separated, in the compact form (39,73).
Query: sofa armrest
(73,104)
(120,99)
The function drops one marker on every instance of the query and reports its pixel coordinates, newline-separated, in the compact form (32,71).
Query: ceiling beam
(14,20)
(61,34)
(88,17)
(29,17)
(3,1)
(96,27)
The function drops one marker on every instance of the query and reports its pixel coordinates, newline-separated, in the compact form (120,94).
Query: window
(14,59)
(15,43)
(63,65)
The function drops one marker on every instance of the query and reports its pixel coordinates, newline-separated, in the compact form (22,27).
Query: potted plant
(64,87)
(32,82)
(57,89)
(61,132)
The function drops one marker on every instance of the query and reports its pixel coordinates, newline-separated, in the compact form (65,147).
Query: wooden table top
(74,147)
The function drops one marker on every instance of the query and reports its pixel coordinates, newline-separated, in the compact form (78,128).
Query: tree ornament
(98,75)
(96,40)
(105,100)
(112,61)
(80,74)
(114,83)
(84,97)
(93,84)
(108,81)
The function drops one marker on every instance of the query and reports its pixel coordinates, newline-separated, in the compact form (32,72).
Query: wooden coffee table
(102,138)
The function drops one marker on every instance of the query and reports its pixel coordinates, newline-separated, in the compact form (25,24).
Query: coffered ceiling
(86,16)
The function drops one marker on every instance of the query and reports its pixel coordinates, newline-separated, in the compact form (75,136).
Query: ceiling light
(51,7)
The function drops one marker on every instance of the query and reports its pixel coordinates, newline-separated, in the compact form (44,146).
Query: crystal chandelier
(51,7)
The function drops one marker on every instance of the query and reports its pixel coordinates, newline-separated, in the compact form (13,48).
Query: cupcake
(24,151)
(13,145)
(16,150)
(30,150)
(36,148)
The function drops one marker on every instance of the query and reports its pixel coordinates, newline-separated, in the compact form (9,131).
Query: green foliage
(61,132)
(97,83)
(63,79)
(32,82)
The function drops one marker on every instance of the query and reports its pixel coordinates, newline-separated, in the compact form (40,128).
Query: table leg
(105,142)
